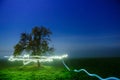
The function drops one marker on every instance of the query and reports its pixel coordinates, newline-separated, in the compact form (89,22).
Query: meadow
(104,67)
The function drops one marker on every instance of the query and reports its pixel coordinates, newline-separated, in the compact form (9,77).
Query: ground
(104,67)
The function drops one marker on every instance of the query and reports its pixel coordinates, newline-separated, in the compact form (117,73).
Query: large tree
(36,42)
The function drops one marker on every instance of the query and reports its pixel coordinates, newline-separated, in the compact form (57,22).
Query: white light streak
(28,59)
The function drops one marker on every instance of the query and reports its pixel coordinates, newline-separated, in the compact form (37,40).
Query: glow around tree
(35,43)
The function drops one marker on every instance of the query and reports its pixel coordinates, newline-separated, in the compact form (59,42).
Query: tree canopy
(37,42)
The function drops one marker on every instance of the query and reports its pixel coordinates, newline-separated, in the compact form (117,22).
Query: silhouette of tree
(37,42)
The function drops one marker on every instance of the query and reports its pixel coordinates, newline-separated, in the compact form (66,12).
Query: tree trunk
(38,63)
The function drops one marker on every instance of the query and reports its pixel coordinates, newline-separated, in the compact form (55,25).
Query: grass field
(104,67)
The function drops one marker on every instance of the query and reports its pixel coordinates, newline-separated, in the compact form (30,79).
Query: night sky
(84,28)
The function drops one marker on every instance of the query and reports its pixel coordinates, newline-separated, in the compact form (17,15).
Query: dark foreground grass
(105,67)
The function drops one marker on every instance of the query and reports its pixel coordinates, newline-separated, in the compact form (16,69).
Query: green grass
(105,67)
(32,73)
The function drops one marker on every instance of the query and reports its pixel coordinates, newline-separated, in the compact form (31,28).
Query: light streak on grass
(28,59)
(89,74)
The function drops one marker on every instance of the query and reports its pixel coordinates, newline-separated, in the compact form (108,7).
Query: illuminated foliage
(37,42)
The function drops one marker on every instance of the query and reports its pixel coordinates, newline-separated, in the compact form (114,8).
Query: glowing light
(28,59)
(89,74)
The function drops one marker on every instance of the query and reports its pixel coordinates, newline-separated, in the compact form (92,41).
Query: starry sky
(83,28)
